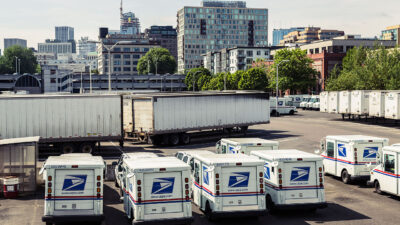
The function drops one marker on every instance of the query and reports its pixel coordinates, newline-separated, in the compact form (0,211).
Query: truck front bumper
(233,214)
(73,218)
(361,177)
(184,220)
(319,205)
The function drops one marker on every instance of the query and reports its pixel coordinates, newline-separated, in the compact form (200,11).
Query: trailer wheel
(345,177)
(174,139)
(155,140)
(377,187)
(67,148)
(165,139)
(86,147)
(185,139)
(244,129)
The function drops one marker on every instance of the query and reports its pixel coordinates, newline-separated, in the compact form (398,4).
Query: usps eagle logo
(74,183)
(300,174)
(163,185)
(267,173)
(342,150)
(206,179)
(370,152)
(239,179)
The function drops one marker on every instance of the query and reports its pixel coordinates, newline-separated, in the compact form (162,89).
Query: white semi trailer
(167,118)
(377,103)
(71,123)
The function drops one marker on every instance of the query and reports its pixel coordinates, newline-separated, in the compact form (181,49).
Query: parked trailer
(323,102)
(244,145)
(385,176)
(377,103)
(392,105)
(293,179)
(74,188)
(344,102)
(360,102)
(165,118)
(69,122)
(333,102)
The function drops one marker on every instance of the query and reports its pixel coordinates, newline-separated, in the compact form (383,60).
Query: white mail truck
(228,185)
(74,188)
(186,156)
(348,156)
(244,145)
(293,179)
(386,175)
(157,191)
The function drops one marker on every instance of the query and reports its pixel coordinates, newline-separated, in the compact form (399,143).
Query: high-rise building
(278,34)
(85,46)
(129,22)
(124,55)
(64,34)
(165,36)
(8,42)
(391,33)
(216,25)
(57,47)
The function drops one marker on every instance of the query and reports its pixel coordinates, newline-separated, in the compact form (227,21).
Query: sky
(34,20)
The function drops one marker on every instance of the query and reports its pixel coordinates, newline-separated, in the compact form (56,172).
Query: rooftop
(227,4)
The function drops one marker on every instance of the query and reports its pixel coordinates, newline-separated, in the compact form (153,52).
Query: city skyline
(35,21)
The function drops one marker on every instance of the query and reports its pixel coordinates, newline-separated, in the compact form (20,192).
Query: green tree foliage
(27,59)
(161,62)
(196,74)
(233,80)
(296,74)
(216,82)
(95,71)
(367,69)
(253,79)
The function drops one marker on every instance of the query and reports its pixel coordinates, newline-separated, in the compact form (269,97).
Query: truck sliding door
(197,183)
(330,158)
(389,178)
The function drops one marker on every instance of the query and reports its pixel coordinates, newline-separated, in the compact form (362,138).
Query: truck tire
(67,148)
(49,223)
(291,112)
(377,187)
(270,205)
(155,140)
(345,177)
(87,147)
(165,139)
(208,212)
(244,129)
(174,139)
(185,139)
(273,113)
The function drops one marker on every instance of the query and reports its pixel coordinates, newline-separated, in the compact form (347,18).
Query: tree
(161,62)
(296,74)
(95,71)
(254,79)
(197,73)
(27,59)
(217,82)
(233,79)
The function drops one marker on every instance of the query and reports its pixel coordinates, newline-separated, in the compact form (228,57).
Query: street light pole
(19,66)
(16,65)
(277,84)
(90,78)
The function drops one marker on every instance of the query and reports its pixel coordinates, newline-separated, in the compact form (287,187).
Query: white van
(120,168)
(360,102)
(293,179)
(285,106)
(228,185)
(297,99)
(74,188)
(323,101)
(303,103)
(348,156)
(244,145)
(156,190)
(313,100)
(385,176)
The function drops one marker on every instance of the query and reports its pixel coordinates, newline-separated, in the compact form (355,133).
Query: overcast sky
(35,20)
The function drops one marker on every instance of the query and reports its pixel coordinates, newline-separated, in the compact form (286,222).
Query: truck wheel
(67,148)
(185,139)
(208,212)
(244,129)
(174,139)
(273,112)
(270,205)
(291,112)
(165,139)
(377,187)
(345,177)
(154,140)
(87,147)
(49,223)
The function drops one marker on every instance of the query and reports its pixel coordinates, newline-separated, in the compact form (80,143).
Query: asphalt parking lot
(347,204)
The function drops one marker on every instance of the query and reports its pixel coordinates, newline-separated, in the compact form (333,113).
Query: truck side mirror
(322,145)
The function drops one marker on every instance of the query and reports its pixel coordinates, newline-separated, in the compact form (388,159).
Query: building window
(117,49)
(117,56)
(117,69)
(127,69)
(249,53)
(127,56)
(145,49)
(117,62)
(127,49)
(136,49)
(258,52)
(136,56)
(127,62)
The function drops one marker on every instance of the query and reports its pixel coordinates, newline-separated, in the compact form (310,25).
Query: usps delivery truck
(244,145)
(228,185)
(157,191)
(385,176)
(74,188)
(293,179)
(348,156)
(120,168)
(186,156)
